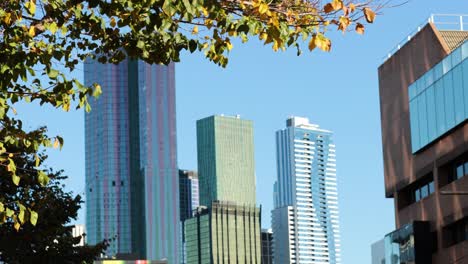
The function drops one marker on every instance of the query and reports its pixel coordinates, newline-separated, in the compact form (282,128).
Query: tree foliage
(41,41)
(26,238)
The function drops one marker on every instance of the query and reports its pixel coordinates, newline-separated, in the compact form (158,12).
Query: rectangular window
(440,107)
(449,100)
(422,109)
(458,94)
(431,114)
(459,172)
(456,232)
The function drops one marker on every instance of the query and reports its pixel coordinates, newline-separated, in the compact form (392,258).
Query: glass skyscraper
(226,165)
(305,220)
(227,229)
(131,169)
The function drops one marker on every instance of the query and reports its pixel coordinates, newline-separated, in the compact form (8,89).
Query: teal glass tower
(227,229)
(226,165)
(132,193)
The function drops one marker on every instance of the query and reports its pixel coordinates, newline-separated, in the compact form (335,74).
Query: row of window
(439,99)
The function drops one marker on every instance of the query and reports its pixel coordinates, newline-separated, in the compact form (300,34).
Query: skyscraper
(189,201)
(226,165)
(131,170)
(424,111)
(228,229)
(305,219)
(188,192)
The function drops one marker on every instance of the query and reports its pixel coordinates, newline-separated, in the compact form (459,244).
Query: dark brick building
(424,107)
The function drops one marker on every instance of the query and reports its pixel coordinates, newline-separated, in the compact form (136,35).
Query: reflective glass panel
(460,172)
(431,187)
(449,100)
(458,94)
(414,122)
(424,191)
(431,113)
(422,111)
(440,107)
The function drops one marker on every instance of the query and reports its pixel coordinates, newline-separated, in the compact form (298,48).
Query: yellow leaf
(17,226)
(31,6)
(352,7)
(10,155)
(337,4)
(7,18)
(369,14)
(263,35)
(56,143)
(205,12)
(344,23)
(32,31)
(53,27)
(112,22)
(360,28)
(263,8)
(322,43)
(195,30)
(229,45)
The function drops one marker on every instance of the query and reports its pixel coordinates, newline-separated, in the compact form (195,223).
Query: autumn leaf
(195,30)
(360,28)
(369,14)
(352,7)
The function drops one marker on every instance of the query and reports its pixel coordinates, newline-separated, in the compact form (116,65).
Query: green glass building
(225,233)
(227,228)
(226,165)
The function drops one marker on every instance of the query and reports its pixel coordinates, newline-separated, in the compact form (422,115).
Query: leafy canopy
(49,239)
(41,41)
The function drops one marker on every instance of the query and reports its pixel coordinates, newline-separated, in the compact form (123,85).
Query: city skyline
(347,105)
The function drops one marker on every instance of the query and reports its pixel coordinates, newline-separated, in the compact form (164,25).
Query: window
(423,191)
(459,169)
(456,232)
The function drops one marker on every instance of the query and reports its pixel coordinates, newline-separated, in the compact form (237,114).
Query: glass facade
(226,165)
(306,166)
(438,101)
(225,233)
(131,162)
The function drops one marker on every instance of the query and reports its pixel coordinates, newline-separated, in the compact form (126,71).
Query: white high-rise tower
(305,219)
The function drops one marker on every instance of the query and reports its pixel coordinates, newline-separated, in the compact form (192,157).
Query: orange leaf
(328,8)
(360,28)
(352,7)
(369,14)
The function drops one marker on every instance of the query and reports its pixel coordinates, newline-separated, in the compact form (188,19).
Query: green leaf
(31,6)
(53,27)
(9,212)
(97,90)
(21,216)
(42,178)
(15,179)
(33,218)
(2,207)
(53,74)
(140,44)
(38,160)
(11,167)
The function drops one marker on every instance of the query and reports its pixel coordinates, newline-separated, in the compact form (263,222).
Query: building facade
(267,246)
(224,233)
(188,192)
(131,170)
(189,201)
(228,229)
(424,106)
(226,165)
(305,220)
(378,252)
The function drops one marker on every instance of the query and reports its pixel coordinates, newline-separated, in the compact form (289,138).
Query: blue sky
(337,90)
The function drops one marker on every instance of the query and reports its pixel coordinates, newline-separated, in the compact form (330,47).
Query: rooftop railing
(456,22)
